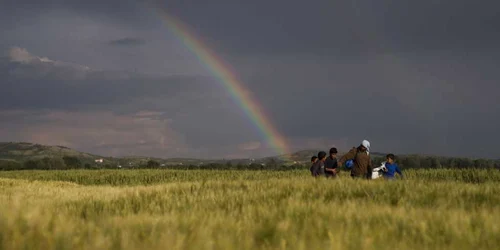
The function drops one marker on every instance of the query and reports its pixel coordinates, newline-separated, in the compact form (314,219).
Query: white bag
(378,172)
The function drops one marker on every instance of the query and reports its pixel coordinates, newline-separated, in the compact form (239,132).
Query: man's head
(365,146)
(333,151)
(314,159)
(321,155)
(390,158)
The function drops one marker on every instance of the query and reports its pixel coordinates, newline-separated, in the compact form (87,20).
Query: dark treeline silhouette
(405,161)
(419,161)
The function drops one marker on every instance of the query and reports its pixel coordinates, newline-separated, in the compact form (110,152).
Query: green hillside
(23,151)
(22,155)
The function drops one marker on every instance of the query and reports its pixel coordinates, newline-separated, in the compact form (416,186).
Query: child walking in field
(314,159)
(331,166)
(391,168)
(318,167)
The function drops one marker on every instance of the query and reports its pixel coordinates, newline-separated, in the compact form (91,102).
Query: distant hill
(22,155)
(23,151)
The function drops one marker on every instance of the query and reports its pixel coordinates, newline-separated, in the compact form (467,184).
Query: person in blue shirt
(391,168)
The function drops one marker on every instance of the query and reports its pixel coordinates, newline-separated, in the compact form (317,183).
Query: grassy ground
(158,209)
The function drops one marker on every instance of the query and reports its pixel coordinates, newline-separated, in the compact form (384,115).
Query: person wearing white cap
(366,144)
(362,166)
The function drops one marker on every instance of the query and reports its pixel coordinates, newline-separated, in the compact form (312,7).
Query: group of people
(358,160)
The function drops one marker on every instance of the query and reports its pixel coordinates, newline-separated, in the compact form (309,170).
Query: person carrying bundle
(362,164)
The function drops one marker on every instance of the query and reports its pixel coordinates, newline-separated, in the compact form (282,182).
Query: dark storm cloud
(350,28)
(127,41)
(77,94)
(32,82)
(412,76)
(36,87)
(127,12)
(342,27)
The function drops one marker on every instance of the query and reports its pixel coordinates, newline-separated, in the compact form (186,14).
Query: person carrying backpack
(362,164)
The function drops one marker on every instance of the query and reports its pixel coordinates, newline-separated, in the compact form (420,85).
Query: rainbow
(229,80)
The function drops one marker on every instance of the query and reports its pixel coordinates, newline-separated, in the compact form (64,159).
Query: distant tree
(452,163)
(465,163)
(436,163)
(55,163)
(87,166)
(427,162)
(271,163)
(30,164)
(10,165)
(72,162)
(152,164)
(240,166)
(483,163)
(46,163)
(411,161)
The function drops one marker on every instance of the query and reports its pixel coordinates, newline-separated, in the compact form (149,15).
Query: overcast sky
(109,77)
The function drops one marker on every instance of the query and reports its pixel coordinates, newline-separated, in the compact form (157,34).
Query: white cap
(366,144)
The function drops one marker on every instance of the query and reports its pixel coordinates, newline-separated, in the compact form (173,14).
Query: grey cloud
(23,64)
(196,105)
(353,28)
(127,41)
(106,133)
(401,105)
(32,82)
(100,132)
(411,76)
(129,12)
(423,104)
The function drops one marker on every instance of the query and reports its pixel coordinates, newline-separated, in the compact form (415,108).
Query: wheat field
(209,209)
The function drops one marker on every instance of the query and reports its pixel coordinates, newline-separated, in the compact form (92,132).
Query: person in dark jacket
(319,167)
(362,167)
(314,159)
(331,166)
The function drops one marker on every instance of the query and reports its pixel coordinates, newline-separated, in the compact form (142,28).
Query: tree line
(48,163)
(405,162)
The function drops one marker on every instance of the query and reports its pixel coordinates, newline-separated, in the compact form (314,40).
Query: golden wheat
(158,209)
